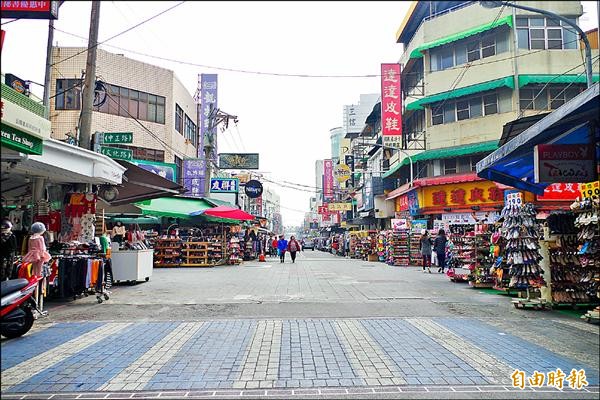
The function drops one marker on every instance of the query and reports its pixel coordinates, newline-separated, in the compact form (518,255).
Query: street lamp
(588,51)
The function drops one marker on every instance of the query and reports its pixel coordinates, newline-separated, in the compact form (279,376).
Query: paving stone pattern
(264,356)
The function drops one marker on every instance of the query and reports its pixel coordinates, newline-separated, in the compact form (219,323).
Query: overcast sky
(285,119)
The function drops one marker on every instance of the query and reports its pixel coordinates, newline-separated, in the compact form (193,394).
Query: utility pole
(85,126)
(215,118)
(48,64)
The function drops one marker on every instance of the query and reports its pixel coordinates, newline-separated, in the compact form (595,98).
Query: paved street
(323,327)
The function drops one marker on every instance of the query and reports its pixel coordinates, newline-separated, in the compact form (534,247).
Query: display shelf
(464,256)
(415,249)
(398,253)
(167,252)
(481,275)
(195,254)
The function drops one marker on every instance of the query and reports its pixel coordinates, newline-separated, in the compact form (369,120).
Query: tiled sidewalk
(296,354)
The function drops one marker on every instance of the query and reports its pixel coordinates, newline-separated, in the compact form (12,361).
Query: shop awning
(447,152)
(176,207)
(140,184)
(507,81)
(226,212)
(418,52)
(543,79)
(145,220)
(513,164)
(65,163)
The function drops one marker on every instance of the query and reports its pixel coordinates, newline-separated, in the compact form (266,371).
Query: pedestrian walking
(274,246)
(439,246)
(8,250)
(293,247)
(425,245)
(282,245)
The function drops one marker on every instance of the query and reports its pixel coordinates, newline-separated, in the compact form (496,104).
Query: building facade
(134,96)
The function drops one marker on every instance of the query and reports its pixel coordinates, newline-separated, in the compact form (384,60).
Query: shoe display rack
(167,252)
(481,275)
(195,254)
(398,248)
(521,232)
(588,226)
(215,251)
(366,248)
(381,239)
(233,249)
(464,256)
(415,256)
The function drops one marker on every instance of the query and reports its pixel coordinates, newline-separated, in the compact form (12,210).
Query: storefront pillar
(39,186)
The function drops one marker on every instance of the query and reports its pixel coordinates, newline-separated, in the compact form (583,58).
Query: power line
(120,33)
(8,22)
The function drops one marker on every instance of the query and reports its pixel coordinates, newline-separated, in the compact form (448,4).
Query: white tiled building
(151,94)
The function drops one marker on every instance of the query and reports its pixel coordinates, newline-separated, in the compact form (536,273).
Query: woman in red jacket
(293,247)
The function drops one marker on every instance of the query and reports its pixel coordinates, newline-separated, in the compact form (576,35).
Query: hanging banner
(342,173)
(391,105)
(327,180)
(590,190)
(339,206)
(29,9)
(208,101)
(560,192)
(564,163)
(193,176)
(224,185)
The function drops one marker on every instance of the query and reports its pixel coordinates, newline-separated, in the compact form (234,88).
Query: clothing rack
(80,275)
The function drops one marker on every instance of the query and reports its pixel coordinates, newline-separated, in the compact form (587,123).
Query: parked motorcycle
(18,306)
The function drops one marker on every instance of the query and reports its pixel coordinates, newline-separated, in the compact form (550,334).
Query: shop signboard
(253,189)
(327,180)
(439,224)
(391,105)
(400,224)
(470,218)
(166,170)
(418,224)
(369,199)
(208,101)
(560,192)
(193,176)
(339,206)
(480,193)
(29,9)
(564,163)
(18,84)
(238,161)
(349,161)
(324,209)
(342,173)
(117,137)
(117,153)
(590,190)
(402,202)
(224,185)
(24,120)
(19,141)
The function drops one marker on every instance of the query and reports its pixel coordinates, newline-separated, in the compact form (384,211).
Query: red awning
(229,213)
(399,191)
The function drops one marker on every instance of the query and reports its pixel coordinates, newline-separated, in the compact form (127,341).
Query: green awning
(176,207)
(416,53)
(507,81)
(533,79)
(447,152)
(145,220)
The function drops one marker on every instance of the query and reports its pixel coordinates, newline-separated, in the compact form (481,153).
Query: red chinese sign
(402,203)
(391,105)
(462,194)
(560,192)
(29,9)
(323,209)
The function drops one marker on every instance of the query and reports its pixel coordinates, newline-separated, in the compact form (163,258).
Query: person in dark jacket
(439,246)
(8,249)
(425,247)
(293,247)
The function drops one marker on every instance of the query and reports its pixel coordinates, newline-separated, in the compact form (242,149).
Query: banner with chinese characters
(30,9)
(482,193)
(339,206)
(238,161)
(193,176)
(560,192)
(224,185)
(590,190)
(208,101)
(324,209)
(391,105)
(327,180)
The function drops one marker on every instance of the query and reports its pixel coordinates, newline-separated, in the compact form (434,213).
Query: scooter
(18,305)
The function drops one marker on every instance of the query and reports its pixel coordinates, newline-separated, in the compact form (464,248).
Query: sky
(284,119)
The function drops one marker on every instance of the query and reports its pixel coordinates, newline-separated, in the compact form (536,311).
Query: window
(191,131)
(538,33)
(464,164)
(450,166)
(178,119)
(475,159)
(539,97)
(179,167)
(68,94)
(470,49)
(133,104)
(465,108)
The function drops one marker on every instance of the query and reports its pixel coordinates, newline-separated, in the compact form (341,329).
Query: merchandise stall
(398,244)
(481,275)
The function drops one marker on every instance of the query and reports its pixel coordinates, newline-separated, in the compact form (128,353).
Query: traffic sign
(117,137)
(117,154)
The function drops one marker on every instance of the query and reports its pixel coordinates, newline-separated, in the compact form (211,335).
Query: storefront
(569,264)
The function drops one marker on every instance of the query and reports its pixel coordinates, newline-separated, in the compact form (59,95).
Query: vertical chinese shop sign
(391,105)
(208,99)
(327,180)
